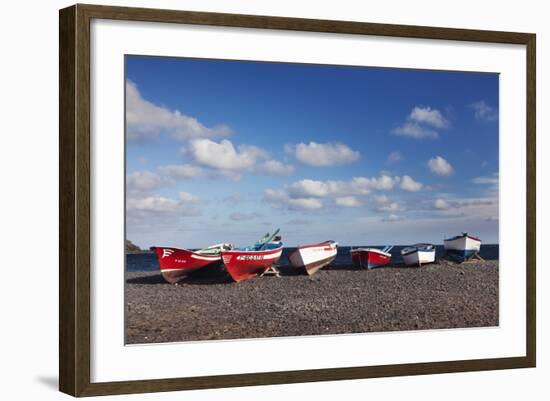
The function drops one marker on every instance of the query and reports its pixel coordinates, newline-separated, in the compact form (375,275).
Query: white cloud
(385,204)
(492,180)
(428,116)
(223,155)
(186,197)
(181,171)
(314,188)
(275,167)
(421,123)
(392,218)
(279,199)
(415,130)
(146,120)
(394,157)
(481,209)
(163,205)
(308,194)
(153,204)
(382,183)
(346,191)
(409,184)
(348,201)
(146,212)
(482,111)
(330,188)
(440,166)
(305,204)
(441,204)
(323,154)
(382,199)
(143,181)
(390,207)
(477,202)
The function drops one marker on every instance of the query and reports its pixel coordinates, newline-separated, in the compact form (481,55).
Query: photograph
(274,199)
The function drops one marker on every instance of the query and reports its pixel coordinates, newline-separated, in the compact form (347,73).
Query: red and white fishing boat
(176,264)
(314,257)
(245,263)
(371,257)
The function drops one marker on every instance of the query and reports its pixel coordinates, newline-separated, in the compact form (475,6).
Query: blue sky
(224,151)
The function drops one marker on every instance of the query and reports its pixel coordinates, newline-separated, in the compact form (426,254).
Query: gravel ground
(339,300)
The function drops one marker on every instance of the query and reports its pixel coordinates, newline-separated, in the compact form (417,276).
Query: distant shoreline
(295,246)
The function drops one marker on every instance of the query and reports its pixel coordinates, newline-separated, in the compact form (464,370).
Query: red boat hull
(176,264)
(370,258)
(242,265)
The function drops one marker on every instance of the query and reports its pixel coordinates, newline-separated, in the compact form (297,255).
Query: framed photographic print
(250,200)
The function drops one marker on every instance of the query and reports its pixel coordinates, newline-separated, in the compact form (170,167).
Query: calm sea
(148,261)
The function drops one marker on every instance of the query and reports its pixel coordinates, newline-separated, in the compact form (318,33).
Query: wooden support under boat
(471,259)
(271,271)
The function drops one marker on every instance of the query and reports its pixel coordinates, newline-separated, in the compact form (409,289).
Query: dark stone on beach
(335,300)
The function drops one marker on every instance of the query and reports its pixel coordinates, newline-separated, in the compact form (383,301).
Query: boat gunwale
(462,236)
(320,244)
(202,255)
(263,251)
(416,248)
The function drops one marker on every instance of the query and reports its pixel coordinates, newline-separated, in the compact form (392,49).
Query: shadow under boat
(218,275)
(215,274)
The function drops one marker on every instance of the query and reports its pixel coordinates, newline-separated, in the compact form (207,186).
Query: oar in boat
(261,241)
(269,240)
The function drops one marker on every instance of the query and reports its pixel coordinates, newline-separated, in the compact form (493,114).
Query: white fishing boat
(462,247)
(418,254)
(314,257)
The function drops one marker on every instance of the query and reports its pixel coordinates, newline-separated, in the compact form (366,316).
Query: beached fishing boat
(418,254)
(371,257)
(314,257)
(462,247)
(250,261)
(176,264)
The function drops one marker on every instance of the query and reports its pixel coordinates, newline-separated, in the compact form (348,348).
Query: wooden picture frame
(75,206)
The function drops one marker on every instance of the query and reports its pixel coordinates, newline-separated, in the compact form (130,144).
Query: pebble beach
(336,300)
